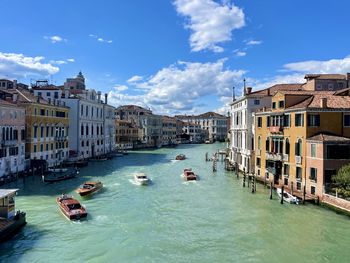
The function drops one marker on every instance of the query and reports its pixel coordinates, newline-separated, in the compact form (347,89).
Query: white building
(109,127)
(241,132)
(12,141)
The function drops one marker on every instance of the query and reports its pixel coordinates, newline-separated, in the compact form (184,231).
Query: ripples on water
(212,220)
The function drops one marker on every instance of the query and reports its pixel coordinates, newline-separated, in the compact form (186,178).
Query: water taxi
(287,196)
(141,178)
(52,178)
(70,207)
(189,175)
(57,170)
(180,157)
(89,188)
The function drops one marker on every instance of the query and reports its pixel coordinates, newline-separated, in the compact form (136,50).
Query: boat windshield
(142,177)
(74,206)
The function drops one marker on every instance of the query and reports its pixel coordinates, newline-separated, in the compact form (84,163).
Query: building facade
(12,138)
(169,131)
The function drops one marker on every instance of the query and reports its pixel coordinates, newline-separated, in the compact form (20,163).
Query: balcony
(60,138)
(274,156)
(286,157)
(275,129)
(9,143)
(298,159)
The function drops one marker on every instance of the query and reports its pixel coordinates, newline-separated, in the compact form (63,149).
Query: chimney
(248,90)
(99,96)
(268,92)
(106,96)
(348,76)
(323,103)
(15,84)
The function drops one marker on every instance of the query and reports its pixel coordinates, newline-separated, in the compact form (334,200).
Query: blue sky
(174,56)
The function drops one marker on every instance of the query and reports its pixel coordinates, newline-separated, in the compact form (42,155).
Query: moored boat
(189,175)
(70,207)
(89,188)
(57,178)
(99,159)
(287,196)
(57,170)
(141,179)
(180,157)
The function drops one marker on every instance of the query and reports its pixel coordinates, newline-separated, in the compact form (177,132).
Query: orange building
(296,122)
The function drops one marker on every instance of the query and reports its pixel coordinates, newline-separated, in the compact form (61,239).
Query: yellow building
(284,132)
(46,127)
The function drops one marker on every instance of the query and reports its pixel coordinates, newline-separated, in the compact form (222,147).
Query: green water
(212,220)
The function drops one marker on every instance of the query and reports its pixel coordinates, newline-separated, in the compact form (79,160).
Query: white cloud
(321,66)
(58,62)
(100,39)
(120,88)
(180,87)
(210,22)
(240,53)
(71,60)
(14,65)
(55,39)
(135,78)
(254,42)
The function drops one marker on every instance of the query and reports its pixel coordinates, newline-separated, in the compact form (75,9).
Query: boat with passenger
(180,157)
(70,207)
(287,196)
(189,175)
(89,188)
(57,170)
(141,178)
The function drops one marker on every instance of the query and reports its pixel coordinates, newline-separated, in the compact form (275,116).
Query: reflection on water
(212,220)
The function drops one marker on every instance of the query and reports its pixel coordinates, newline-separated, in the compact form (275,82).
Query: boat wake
(134,182)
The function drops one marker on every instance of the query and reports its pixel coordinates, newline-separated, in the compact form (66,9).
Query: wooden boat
(141,179)
(70,207)
(189,175)
(57,170)
(180,157)
(89,188)
(287,196)
(53,178)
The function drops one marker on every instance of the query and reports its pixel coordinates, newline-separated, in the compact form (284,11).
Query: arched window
(7,133)
(287,148)
(259,143)
(298,148)
(11,134)
(267,144)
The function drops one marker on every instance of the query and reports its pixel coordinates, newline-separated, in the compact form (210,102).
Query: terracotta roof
(49,87)
(211,114)
(328,138)
(325,76)
(332,102)
(278,87)
(7,103)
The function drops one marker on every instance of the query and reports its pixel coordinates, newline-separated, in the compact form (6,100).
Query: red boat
(70,207)
(89,188)
(189,175)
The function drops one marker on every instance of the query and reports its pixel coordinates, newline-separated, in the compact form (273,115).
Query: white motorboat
(287,197)
(141,178)
(57,170)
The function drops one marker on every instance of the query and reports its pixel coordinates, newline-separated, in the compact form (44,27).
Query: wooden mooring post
(237,171)
(282,193)
(304,194)
(206,157)
(244,177)
(214,165)
(270,190)
(253,184)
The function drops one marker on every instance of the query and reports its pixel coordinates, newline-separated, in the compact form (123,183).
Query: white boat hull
(287,197)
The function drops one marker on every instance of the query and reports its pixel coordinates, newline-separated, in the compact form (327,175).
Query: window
(298,148)
(48,94)
(338,152)
(298,186)
(82,143)
(41,131)
(35,148)
(273,105)
(313,174)
(268,121)
(56,95)
(299,173)
(285,182)
(81,110)
(313,120)
(258,162)
(81,130)
(313,190)
(267,144)
(286,169)
(256,102)
(299,120)
(42,112)
(286,120)
(259,143)
(259,122)
(313,150)
(281,104)
(41,147)
(47,147)
(346,120)
(287,147)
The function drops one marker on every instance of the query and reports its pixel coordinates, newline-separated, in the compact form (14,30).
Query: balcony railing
(274,156)
(286,157)
(276,129)
(298,159)
(60,138)
(9,142)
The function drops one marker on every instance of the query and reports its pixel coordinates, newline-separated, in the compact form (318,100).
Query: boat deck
(5,223)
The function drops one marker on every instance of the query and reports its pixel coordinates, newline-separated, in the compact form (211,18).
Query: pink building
(12,138)
(325,154)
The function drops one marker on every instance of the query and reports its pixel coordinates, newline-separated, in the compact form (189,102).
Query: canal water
(212,220)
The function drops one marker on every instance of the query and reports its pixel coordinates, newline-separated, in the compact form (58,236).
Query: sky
(173,56)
